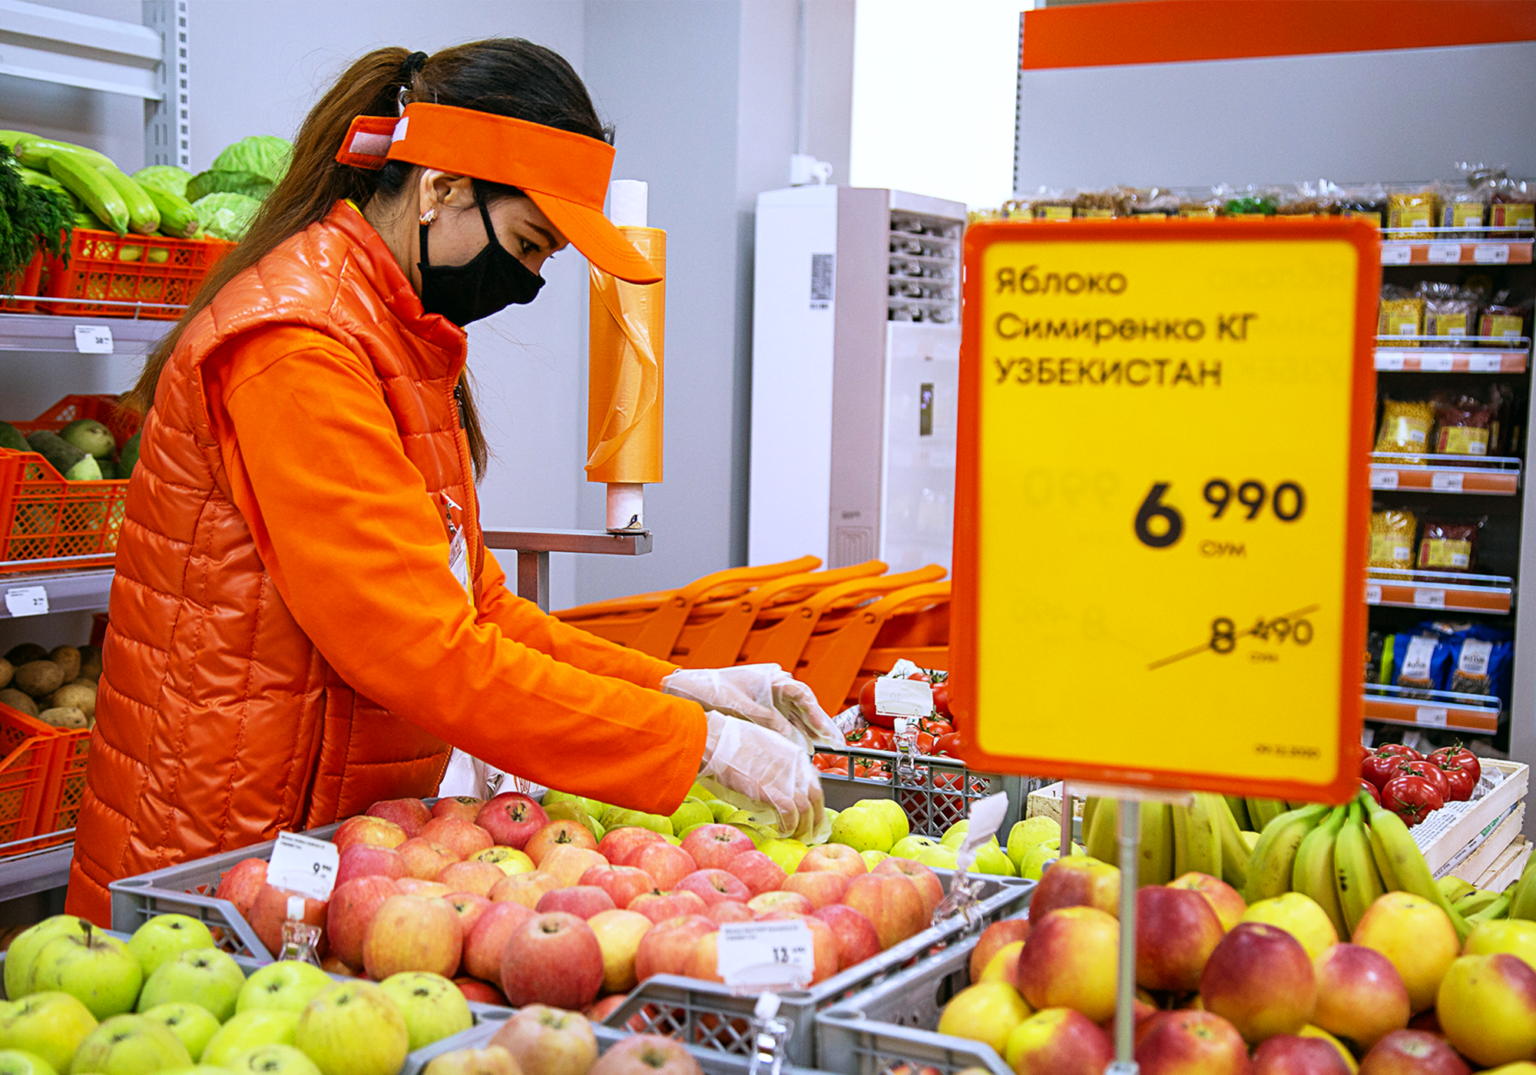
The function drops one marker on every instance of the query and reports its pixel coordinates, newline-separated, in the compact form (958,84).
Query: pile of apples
(525,910)
(1225,988)
(548,1041)
(83,1000)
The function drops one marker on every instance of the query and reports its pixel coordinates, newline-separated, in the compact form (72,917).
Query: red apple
(821,887)
(824,948)
(622,883)
(242,883)
(541,1040)
(1192,1043)
(703,960)
(712,886)
(476,877)
(470,907)
(552,959)
(566,863)
(463,838)
(1076,881)
(1069,960)
(478,992)
(1413,1052)
(714,846)
(270,911)
(557,834)
(1260,979)
(666,863)
(465,807)
(993,938)
(1223,898)
(512,818)
(606,1007)
(665,948)
(351,907)
(1360,995)
(427,890)
(583,901)
(409,933)
(425,859)
(1292,1054)
(620,845)
(368,830)
(928,884)
(524,888)
(856,937)
(890,902)
(770,902)
(488,939)
(660,906)
(833,858)
(729,911)
(757,871)
(409,814)
(332,965)
(1059,1041)
(366,860)
(1176,931)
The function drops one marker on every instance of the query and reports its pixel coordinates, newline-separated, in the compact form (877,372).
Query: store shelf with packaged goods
(1450,591)
(1452,251)
(1484,475)
(1500,356)
(52,591)
(53,334)
(1432,709)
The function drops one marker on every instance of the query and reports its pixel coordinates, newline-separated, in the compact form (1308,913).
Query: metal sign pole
(1125,991)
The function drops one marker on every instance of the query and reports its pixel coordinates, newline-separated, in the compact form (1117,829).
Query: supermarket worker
(304,616)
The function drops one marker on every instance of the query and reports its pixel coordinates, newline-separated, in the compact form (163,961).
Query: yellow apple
(1300,916)
(1418,938)
(985,1012)
(1487,1008)
(1515,936)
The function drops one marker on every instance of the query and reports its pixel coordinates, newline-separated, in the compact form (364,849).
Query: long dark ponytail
(507,76)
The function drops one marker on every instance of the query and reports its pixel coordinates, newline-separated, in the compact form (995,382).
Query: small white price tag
(1491,253)
(1373,593)
(756,956)
(1444,253)
(903,697)
(1485,363)
(1430,716)
(1383,478)
(93,339)
(304,865)
(1432,363)
(1397,253)
(1428,598)
(1390,361)
(27,601)
(986,818)
(1447,482)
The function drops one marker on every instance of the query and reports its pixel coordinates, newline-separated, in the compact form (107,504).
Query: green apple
(873,858)
(21,1062)
(720,809)
(908,848)
(1034,860)
(432,1005)
(692,812)
(700,792)
(895,816)
(937,857)
(247,1030)
(192,1023)
(130,1045)
(593,807)
(92,966)
(22,954)
(353,1028)
(862,829)
(1029,832)
(52,1025)
(955,835)
(787,853)
(675,841)
(272,1060)
(289,985)
(203,976)
(165,936)
(991,859)
(198,1069)
(617,817)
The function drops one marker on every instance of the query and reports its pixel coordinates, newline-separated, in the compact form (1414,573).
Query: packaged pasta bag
(1449,311)
(1392,534)
(1464,211)
(1367,203)
(1512,215)
(1414,212)
(1102,204)
(1401,317)
(1153,203)
(1405,428)
(1449,545)
(1205,207)
(1463,424)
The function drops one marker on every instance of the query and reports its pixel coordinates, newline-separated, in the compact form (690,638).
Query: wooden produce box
(1507,867)
(1466,838)
(1046,802)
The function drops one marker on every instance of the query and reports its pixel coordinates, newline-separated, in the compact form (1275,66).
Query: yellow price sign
(1162,502)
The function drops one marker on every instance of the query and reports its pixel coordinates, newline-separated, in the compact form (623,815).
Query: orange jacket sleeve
(358,551)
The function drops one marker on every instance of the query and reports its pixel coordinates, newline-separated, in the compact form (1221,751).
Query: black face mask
(490,281)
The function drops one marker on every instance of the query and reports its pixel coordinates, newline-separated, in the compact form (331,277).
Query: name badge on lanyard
(458,552)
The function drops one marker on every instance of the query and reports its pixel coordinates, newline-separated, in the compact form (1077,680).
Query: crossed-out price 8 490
(1287,503)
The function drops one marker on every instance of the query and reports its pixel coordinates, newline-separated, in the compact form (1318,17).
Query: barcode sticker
(1396,253)
(757,956)
(1383,478)
(27,601)
(303,864)
(1491,253)
(93,339)
(1447,481)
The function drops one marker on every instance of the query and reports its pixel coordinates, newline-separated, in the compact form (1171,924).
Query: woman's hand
(765,694)
(767,768)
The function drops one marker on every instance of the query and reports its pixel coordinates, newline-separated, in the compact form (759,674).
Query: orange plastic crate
(65,787)
(47,523)
(166,272)
(27,754)
(25,284)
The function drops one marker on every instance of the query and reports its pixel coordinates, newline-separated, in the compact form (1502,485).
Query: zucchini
(10,436)
(143,216)
(176,216)
(158,255)
(35,151)
(86,182)
(88,220)
(64,457)
(128,458)
(130,252)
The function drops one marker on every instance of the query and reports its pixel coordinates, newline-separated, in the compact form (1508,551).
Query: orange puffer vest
(197,627)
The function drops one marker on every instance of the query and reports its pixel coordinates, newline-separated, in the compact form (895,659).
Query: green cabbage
(262,154)
(164,177)
(214,182)
(226,215)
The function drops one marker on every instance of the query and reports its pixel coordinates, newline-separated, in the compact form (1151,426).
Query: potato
(27,651)
(90,663)
(16,700)
(38,678)
(75,696)
(67,658)
(68,717)
(7,670)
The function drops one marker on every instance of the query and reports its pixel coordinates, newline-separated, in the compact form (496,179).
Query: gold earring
(429,216)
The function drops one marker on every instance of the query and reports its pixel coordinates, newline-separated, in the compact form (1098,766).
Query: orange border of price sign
(1343,526)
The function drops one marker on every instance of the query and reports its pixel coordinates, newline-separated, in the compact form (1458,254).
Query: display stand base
(534,546)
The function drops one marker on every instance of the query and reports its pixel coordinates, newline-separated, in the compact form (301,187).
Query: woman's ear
(443,190)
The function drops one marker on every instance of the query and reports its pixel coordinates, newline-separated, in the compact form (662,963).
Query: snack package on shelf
(1153,203)
(1307,199)
(1401,314)
(1414,209)
(1503,322)
(1405,428)
(1500,441)
(1463,424)
(1392,534)
(1449,545)
(1480,657)
(1252,203)
(1466,212)
(1420,661)
(1512,213)
(1048,204)
(1102,204)
(1449,310)
(1367,203)
(1204,207)
(1377,656)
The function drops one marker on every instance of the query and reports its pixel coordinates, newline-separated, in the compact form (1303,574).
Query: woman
(304,615)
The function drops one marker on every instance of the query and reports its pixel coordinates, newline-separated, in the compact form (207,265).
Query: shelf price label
(93,339)
(304,865)
(1162,498)
(757,956)
(27,601)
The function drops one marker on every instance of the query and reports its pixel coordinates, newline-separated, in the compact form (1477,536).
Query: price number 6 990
(1160,525)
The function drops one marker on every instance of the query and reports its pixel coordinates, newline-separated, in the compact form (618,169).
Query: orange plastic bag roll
(624,384)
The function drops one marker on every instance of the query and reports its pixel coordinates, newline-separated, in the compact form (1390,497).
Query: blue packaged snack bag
(1420,660)
(1480,658)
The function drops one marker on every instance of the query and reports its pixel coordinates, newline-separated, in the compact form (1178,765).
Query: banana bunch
(1344,857)
(1175,840)
(1477,904)
(1522,896)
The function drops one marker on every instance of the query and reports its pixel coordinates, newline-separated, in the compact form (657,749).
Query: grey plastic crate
(713,1063)
(891,1023)
(709,1015)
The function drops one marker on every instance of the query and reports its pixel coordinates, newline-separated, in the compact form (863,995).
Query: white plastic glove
(766,768)
(765,694)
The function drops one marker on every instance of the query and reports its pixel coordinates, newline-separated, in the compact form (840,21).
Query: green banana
(1455,888)
(1099,839)
(1155,864)
(86,182)
(1522,903)
(1239,807)
(1203,838)
(1234,853)
(1499,908)
(1395,842)
(1263,811)
(1270,865)
(177,218)
(143,216)
(1178,819)
(1356,881)
(1313,873)
(1477,900)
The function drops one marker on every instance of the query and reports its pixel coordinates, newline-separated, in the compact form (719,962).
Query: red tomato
(1461,769)
(837,766)
(1379,767)
(948,744)
(1370,789)
(867,706)
(877,739)
(925,742)
(941,699)
(1429,771)
(1398,749)
(920,677)
(937,728)
(1411,798)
